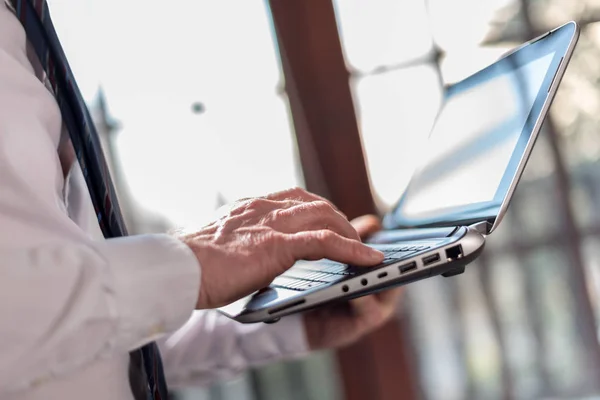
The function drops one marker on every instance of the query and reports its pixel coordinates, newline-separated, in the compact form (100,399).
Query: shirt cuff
(156,283)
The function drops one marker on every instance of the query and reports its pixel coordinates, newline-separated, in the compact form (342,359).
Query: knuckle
(325,235)
(254,203)
(273,241)
(311,242)
(288,193)
(276,215)
(301,209)
(353,248)
(299,194)
(229,223)
(297,189)
(322,206)
(238,208)
(303,240)
(273,238)
(259,204)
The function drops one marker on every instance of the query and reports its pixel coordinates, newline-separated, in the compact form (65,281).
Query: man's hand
(342,324)
(260,238)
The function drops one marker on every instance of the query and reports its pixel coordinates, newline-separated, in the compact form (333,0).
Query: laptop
(470,166)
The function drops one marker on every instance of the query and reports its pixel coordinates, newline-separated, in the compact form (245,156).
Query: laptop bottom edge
(449,258)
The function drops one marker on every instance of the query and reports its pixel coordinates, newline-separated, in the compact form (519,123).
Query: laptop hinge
(482,227)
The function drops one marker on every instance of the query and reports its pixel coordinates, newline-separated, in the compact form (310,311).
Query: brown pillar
(332,159)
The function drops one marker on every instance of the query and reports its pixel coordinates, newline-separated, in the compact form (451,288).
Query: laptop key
(286,282)
(312,275)
(295,284)
(403,248)
(297,273)
(399,255)
(310,284)
(327,266)
(392,253)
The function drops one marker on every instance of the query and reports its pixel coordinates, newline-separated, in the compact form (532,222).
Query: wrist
(198,247)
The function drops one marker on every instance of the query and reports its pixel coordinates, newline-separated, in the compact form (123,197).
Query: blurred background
(201,102)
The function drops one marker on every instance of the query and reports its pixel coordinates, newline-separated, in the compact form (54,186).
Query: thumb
(366,225)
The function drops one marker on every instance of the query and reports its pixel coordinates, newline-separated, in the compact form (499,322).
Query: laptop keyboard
(306,275)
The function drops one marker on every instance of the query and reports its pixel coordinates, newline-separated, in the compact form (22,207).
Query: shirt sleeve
(211,347)
(65,298)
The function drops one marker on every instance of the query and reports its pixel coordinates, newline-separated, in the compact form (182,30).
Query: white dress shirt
(72,305)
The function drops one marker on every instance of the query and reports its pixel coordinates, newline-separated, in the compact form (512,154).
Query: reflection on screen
(472,141)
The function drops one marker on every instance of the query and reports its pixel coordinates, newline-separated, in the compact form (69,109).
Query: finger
(294,193)
(364,305)
(390,297)
(314,245)
(300,194)
(260,206)
(312,216)
(286,223)
(371,310)
(366,225)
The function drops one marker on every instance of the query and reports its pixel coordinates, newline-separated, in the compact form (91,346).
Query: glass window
(577,108)
(508,292)
(550,13)
(193,88)
(382,32)
(395,106)
(439,338)
(591,251)
(395,111)
(556,306)
(464,24)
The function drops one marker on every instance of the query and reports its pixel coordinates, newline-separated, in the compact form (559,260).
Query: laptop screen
(478,140)
(472,141)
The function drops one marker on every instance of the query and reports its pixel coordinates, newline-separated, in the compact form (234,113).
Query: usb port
(431,259)
(408,267)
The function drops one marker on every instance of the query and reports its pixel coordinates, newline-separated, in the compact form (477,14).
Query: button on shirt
(72,304)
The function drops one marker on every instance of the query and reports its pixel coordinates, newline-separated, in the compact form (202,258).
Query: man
(73,305)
